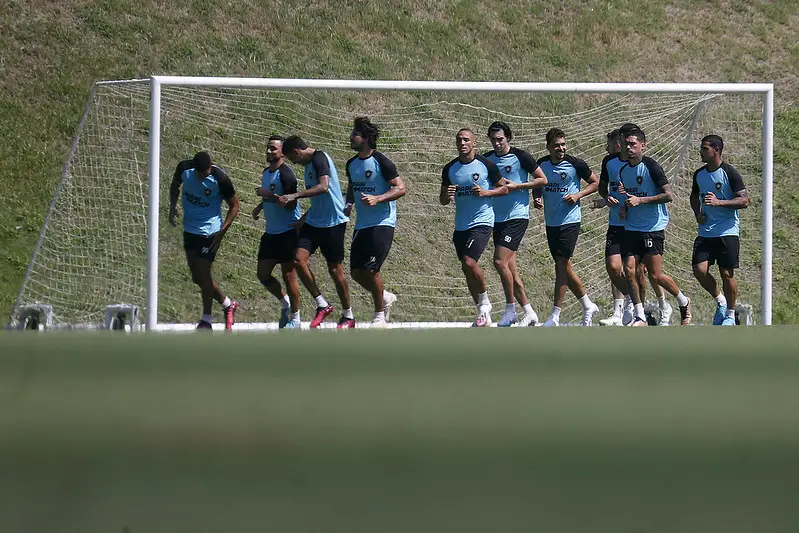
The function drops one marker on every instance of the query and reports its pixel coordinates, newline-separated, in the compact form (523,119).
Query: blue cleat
(293,324)
(285,316)
(718,317)
(728,321)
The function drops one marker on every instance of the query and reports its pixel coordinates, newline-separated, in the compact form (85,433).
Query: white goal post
(684,146)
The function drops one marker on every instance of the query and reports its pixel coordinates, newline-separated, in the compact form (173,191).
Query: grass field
(455,430)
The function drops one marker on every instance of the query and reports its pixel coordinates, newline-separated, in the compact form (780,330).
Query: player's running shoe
(551,322)
(388,300)
(483,320)
(614,320)
(685,313)
(719,315)
(629,313)
(529,319)
(728,321)
(638,322)
(588,314)
(321,314)
(204,325)
(230,314)
(344,323)
(293,324)
(379,323)
(665,315)
(507,319)
(285,317)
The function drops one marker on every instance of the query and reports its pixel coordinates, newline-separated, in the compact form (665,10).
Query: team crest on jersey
(508,168)
(639,179)
(368,174)
(564,175)
(475,177)
(207,192)
(271,186)
(718,186)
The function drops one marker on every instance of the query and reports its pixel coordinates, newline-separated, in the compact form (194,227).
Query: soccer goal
(106,240)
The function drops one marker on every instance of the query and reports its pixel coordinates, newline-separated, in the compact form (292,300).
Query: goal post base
(36,317)
(122,317)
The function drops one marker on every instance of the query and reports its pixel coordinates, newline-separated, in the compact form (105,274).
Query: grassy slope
(51,52)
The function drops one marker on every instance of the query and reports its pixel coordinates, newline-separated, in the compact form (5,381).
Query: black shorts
(330,240)
(563,239)
(721,250)
(370,247)
(201,244)
(614,240)
(471,242)
(280,247)
(641,243)
(509,234)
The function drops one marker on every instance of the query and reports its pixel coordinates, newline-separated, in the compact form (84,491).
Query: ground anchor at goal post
(37,317)
(122,317)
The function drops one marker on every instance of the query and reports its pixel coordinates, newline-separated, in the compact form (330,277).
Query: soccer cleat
(588,314)
(728,321)
(665,315)
(483,320)
(285,317)
(551,322)
(528,320)
(685,313)
(204,325)
(507,319)
(321,313)
(293,324)
(379,323)
(230,312)
(629,313)
(638,322)
(345,323)
(719,315)
(614,320)
(388,300)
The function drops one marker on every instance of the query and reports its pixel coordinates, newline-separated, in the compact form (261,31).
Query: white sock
(284,302)
(510,308)
(681,299)
(226,303)
(483,303)
(730,312)
(662,302)
(585,301)
(618,307)
(385,294)
(381,316)
(528,310)
(556,313)
(320,301)
(721,299)
(208,318)
(348,313)
(639,311)
(295,316)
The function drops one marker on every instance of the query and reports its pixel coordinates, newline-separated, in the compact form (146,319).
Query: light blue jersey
(724,182)
(471,210)
(643,180)
(611,166)
(202,198)
(281,181)
(562,179)
(515,166)
(327,210)
(372,176)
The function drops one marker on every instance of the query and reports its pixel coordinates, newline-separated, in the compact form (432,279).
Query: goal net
(93,248)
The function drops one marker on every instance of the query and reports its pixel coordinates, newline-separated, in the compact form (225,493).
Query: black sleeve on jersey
(656,172)
(490,152)
(320,164)
(226,189)
(182,167)
(347,165)
(695,183)
(445,173)
(288,179)
(526,161)
(541,160)
(494,175)
(582,168)
(736,181)
(387,167)
(603,174)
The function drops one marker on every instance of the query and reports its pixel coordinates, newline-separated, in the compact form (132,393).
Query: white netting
(94,249)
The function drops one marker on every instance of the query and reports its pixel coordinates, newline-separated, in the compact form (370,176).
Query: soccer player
(717,194)
(511,217)
(322,226)
(562,215)
(204,185)
(279,241)
(472,181)
(647,191)
(374,178)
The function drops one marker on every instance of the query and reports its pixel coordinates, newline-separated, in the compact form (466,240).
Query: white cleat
(507,319)
(378,323)
(528,320)
(588,314)
(388,300)
(551,322)
(629,313)
(665,315)
(483,320)
(614,320)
